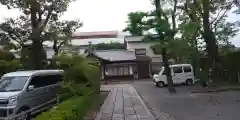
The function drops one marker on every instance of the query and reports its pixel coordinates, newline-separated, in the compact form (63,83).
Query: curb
(216,90)
(99,113)
(149,112)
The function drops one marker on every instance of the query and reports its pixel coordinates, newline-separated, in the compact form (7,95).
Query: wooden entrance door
(143,70)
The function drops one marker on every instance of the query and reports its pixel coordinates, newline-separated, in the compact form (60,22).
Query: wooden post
(104,73)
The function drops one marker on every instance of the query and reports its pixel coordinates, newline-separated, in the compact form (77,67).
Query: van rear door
(177,75)
(188,72)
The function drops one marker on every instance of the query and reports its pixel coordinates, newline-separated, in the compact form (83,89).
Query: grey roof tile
(115,55)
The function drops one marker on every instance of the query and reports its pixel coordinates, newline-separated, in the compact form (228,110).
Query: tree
(179,50)
(135,23)
(209,17)
(60,33)
(165,32)
(17,31)
(39,13)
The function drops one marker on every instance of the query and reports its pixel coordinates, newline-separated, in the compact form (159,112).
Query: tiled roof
(115,55)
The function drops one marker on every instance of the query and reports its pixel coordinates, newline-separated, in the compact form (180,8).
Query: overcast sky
(100,15)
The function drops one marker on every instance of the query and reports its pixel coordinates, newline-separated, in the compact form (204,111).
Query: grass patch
(72,109)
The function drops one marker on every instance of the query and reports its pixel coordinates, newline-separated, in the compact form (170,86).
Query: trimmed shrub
(81,84)
(79,70)
(9,66)
(72,109)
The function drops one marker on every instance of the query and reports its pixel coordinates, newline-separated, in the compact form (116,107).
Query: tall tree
(60,33)
(135,23)
(39,12)
(210,19)
(165,31)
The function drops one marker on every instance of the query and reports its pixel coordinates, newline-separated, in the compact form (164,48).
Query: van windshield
(15,83)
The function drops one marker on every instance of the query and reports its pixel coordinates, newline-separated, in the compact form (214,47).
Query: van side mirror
(30,87)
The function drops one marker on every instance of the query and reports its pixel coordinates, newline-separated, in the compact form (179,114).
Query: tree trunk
(55,47)
(37,55)
(164,51)
(209,37)
(168,71)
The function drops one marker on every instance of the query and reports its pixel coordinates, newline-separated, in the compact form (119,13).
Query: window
(187,69)
(177,69)
(126,70)
(41,81)
(37,81)
(120,71)
(140,52)
(15,83)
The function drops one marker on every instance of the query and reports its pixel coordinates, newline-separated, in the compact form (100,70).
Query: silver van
(25,93)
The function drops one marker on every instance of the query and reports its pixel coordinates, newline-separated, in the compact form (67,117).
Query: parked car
(181,74)
(25,93)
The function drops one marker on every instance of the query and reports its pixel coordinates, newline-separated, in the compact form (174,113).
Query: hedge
(71,109)
(82,81)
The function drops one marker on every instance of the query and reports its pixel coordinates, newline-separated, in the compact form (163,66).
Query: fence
(229,76)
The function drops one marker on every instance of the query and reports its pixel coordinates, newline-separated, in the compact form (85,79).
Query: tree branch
(174,17)
(46,20)
(11,34)
(218,18)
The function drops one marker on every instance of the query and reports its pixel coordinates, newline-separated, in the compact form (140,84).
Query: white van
(181,74)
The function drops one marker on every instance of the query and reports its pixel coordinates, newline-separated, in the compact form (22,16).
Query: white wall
(147,46)
(96,40)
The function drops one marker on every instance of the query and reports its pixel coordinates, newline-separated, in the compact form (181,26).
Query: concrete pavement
(190,106)
(123,103)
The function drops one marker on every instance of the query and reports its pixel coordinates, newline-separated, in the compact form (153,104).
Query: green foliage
(72,109)
(135,23)
(60,33)
(79,70)
(9,66)
(109,46)
(33,23)
(179,50)
(81,84)
(6,55)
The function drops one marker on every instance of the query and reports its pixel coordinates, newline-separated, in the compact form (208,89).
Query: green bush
(79,70)
(6,55)
(9,66)
(81,84)
(72,109)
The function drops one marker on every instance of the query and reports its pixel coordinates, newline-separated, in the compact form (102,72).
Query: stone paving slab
(123,103)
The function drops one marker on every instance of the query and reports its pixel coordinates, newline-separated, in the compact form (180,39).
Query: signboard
(140,52)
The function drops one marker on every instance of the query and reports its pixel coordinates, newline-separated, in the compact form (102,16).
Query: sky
(101,15)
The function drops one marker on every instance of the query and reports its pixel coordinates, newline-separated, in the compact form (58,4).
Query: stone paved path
(123,103)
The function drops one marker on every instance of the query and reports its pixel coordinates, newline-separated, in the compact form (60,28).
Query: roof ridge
(111,50)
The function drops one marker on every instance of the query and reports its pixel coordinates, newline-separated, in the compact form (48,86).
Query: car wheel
(160,84)
(23,115)
(189,82)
